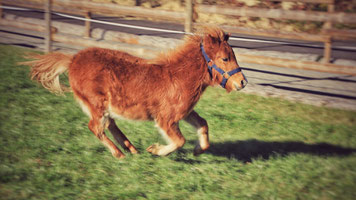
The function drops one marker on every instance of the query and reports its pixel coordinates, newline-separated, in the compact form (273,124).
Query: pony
(110,84)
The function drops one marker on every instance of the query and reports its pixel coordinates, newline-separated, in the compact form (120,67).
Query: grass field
(261,148)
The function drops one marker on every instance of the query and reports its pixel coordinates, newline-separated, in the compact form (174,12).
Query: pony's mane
(190,42)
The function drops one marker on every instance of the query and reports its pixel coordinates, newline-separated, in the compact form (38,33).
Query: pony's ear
(227,36)
(211,40)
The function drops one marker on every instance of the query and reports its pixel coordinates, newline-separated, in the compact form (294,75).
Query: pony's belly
(133,113)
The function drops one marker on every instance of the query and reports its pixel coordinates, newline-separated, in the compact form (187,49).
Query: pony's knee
(97,126)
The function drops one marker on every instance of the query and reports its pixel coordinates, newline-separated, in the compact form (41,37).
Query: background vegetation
(251,22)
(261,148)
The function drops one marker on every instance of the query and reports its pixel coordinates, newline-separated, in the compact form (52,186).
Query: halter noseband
(225,75)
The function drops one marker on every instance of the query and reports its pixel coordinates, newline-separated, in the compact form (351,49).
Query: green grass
(261,148)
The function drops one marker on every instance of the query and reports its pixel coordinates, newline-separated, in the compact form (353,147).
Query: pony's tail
(46,69)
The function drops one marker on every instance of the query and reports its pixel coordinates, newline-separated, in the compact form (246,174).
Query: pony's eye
(225,59)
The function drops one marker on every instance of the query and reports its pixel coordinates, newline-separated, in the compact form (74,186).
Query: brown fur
(112,84)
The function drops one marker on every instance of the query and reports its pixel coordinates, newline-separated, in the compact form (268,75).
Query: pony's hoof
(198,150)
(154,149)
(133,150)
(118,155)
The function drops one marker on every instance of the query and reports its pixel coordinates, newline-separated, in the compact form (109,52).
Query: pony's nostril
(243,83)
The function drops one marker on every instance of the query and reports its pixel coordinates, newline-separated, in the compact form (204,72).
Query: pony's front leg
(202,128)
(173,136)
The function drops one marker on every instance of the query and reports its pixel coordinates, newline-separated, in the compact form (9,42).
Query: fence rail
(279,14)
(85,8)
(80,7)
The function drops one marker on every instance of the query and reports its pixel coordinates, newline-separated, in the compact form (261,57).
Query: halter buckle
(226,75)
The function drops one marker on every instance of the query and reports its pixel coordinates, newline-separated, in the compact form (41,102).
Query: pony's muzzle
(242,84)
(244,81)
(238,86)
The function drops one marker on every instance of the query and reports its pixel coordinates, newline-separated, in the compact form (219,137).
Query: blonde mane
(190,42)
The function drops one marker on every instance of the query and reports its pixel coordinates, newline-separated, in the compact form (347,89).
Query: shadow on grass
(248,150)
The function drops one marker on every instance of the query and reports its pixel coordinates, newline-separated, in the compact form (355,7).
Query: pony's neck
(188,61)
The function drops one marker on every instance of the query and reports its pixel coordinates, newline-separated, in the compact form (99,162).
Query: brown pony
(112,84)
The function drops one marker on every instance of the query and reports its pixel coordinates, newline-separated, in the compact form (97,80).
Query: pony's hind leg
(97,126)
(202,128)
(120,137)
(173,137)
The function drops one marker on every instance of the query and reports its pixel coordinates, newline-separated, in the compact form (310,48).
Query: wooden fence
(326,36)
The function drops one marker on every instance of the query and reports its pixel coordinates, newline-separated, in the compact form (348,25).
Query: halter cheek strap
(225,75)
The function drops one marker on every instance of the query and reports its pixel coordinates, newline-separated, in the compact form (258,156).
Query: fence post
(331,9)
(328,25)
(87,25)
(48,33)
(188,16)
(327,50)
(0,10)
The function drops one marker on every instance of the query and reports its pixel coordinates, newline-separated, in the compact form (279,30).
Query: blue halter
(225,75)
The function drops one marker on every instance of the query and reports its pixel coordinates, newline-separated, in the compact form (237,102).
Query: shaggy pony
(112,84)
